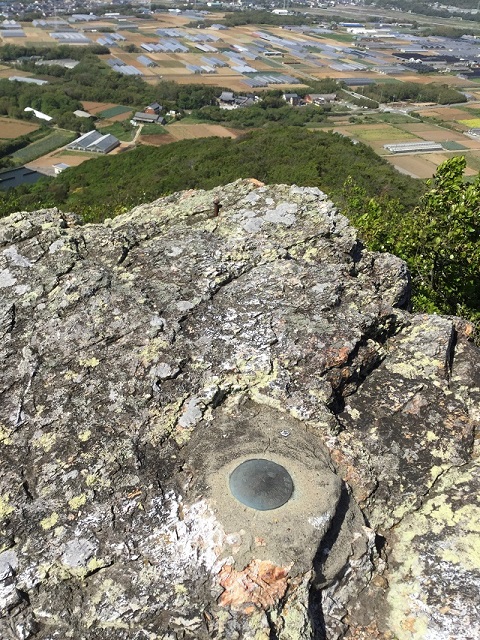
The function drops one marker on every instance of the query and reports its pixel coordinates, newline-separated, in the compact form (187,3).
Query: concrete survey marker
(261,484)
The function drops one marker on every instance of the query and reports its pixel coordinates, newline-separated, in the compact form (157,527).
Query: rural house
(153,108)
(291,98)
(150,118)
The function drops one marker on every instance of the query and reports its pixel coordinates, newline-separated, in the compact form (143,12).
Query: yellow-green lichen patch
(5,507)
(89,362)
(84,435)
(76,502)
(50,521)
(46,441)
(152,350)
(5,434)
(434,562)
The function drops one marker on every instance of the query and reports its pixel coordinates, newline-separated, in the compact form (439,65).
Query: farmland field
(96,107)
(157,140)
(418,166)
(56,139)
(10,129)
(474,122)
(118,131)
(379,133)
(435,133)
(115,111)
(445,113)
(153,130)
(182,131)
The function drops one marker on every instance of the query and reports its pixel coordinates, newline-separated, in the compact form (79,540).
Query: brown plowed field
(183,131)
(445,113)
(10,129)
(96,107)
(157,141)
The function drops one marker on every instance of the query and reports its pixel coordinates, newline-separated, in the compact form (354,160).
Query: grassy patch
(114,111)
(56,139)
(192,120)
(118,131)
(154,129)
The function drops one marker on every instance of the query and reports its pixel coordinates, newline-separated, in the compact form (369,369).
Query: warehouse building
(94,142)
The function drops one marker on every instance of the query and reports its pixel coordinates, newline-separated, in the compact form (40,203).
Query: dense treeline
(101,187)
(264,112)
(13,52)
(50,99)
(414,91)
(238,18)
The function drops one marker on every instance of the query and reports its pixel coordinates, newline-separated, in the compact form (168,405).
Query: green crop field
(114,111)
(451,145)
(153,129)
(380,133)
(56,139)
(119,132)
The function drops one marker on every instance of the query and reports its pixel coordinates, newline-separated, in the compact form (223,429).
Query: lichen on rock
(144,358)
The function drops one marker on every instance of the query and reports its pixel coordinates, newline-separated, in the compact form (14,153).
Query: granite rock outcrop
(145,358)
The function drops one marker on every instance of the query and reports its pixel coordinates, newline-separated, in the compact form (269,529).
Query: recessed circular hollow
(261,484)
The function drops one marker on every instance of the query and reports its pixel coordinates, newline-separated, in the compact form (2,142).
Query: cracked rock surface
(145,358)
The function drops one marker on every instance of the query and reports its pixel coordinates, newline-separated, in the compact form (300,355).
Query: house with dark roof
(153,108)
(291,98)
(226,97)
(320,98)
(150,118)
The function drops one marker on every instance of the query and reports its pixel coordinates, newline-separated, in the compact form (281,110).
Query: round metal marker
(261,484)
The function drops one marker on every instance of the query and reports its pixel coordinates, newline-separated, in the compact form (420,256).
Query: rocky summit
(219,420)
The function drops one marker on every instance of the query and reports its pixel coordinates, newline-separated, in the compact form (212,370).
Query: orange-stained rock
(261,583)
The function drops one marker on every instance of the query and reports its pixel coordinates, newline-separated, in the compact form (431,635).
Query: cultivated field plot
(6,72)
(444,113)
(435,133)
(10,129)
(451,145)
(417,166)
(471,123)
(95,107)
(157,140)
(181,131)
(35,35)
(452,81)
(115,111)
(99,108)
(56,139)
(380,133)
(45,163)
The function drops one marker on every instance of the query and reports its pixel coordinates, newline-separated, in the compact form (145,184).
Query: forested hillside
(101,187)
